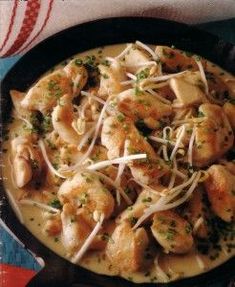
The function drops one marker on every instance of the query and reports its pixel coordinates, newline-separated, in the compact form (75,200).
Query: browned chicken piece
(44,94)
(229,110)
(173,60)
(197,214)
(142,106)
(62,118)
(112,137)
(78,74)
(99,153)
(220,187)
(114,133)
(230,166)
(74,229)
(172,232)
(110,78)
(166,92)
(16,98)
(188,89)
(104,236)
(86,190)
(27,160)
(218,89)
(148,170)
(126,250)
(53,225)
(144,200)
(214,136)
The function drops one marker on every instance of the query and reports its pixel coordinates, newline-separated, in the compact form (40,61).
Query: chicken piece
(148,170)
(53,225)
(78,74)
(110,79)
(27,160)
(69,154)
(142,106)
(229,110)
(16,98)
(214,136)
(127,248)
(220,187)
(104,236)
(217,87)
(172,232)
(188,89)
(198,214)
(62,118)
(114,133)
(74,229)
(229,165)
(85,189)
(134,58)
(112,137)
(144,200)
(44,94)
(174,60)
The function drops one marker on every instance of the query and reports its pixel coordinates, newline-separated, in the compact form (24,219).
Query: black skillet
(57,271)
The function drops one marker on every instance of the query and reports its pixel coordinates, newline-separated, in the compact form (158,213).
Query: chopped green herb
(105,63)
(78,62)
(34,164)
(143,74)
(105,76)
(198,58)
(138,92)
(56,204)
(106,237)
(132,220)
(83,198)
(188,229)
(200,114)
(168,55)
(120,117)
(147,199)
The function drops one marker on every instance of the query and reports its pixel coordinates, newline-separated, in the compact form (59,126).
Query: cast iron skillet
(57,271)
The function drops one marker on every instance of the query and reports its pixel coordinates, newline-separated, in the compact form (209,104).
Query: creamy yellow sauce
(175,266)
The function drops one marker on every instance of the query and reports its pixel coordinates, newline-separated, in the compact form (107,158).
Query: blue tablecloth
(10,251)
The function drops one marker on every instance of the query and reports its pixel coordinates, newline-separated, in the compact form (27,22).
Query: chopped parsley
(106,237)
(132,220)
(147,199)
(120,117)
(56,204)
(78,62)
(143,74)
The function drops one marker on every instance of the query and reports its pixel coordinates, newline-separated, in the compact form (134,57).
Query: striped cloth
(23,23)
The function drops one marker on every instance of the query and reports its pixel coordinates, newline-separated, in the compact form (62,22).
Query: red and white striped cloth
(23,23)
